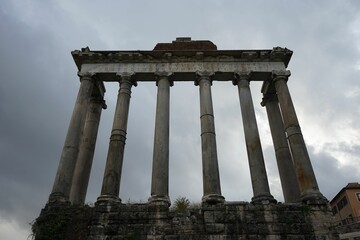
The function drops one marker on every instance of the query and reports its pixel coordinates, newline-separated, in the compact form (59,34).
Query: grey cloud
(331,175)
(38,87)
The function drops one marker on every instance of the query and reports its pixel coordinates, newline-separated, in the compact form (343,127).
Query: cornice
(85,55)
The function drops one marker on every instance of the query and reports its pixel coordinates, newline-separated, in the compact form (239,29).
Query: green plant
(181,205)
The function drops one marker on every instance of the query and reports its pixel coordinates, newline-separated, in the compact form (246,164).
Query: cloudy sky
(38,88)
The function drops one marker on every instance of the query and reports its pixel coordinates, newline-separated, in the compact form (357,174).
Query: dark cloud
(38,85)
(38,88)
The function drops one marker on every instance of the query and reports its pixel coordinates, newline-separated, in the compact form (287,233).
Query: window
(358,196)
(342,203)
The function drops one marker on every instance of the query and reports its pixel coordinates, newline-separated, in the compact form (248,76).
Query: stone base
(108,200)
(263,199)
(212,199)
(313,197)
(162,200)
(226,221)
(58,197)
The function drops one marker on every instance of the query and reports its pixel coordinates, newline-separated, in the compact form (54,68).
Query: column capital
(199,75)
(280,74)
(126,76)
(86,75)
(167,75)
(268,97)
(241,76)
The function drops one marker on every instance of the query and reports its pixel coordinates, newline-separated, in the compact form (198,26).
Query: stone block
(273,237)
(214,228)
(296,237)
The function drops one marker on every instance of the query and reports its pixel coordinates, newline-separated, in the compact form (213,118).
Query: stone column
(64,175)
(307,182)
(258,174)
(86,153)
(284,160)
(160,168)
(112,176)
(211,178)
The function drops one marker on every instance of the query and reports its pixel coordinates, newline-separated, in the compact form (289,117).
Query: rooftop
(186,44)
(352,185)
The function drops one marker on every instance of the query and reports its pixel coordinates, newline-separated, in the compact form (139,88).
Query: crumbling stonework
(231,220)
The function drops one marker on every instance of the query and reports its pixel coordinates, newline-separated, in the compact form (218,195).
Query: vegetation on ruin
(183,205)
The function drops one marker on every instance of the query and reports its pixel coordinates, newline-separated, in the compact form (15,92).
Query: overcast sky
(39,84)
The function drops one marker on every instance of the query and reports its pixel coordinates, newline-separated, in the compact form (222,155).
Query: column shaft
(160,168)
(112,176)
(86,153)
(258,174)
(211,178)
(304,171)
(284,160)
(64,175)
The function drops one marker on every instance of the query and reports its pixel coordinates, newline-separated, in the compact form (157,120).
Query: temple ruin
(305,213)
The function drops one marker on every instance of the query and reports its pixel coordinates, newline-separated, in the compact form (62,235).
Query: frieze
(222,69)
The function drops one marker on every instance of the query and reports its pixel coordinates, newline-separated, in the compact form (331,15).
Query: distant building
(346,210)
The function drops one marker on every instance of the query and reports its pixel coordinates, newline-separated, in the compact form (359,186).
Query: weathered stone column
(160,168)
(112,176)
(211,178)
(65,171)
(307,182)
(86,153)
(284,160)
(258,174)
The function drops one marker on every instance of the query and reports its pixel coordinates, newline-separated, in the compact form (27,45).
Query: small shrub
(181,205)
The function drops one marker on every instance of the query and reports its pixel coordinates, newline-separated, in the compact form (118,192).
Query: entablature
(183,64)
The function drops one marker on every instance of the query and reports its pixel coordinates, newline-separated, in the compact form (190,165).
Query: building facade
(346,210)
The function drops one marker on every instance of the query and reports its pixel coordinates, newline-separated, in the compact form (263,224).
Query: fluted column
(211,178)
(112,176)
(62,184)
(284,160)
(86,153)
(258,174)
(160,168)
(307,182)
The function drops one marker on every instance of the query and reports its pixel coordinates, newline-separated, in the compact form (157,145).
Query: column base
(313,196)
(159,200)
(108,200)
(213,199)
(58,197)
(263,199)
